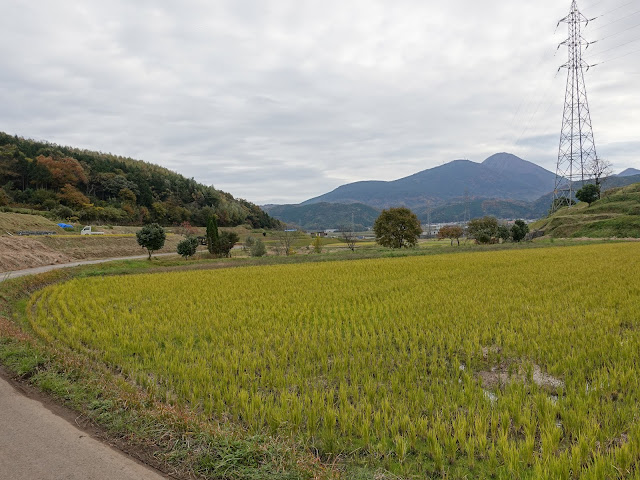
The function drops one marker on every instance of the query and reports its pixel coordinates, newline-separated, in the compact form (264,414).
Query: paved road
(32,271)
(36,444)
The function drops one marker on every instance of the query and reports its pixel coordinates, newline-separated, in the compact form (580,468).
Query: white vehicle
(87,231)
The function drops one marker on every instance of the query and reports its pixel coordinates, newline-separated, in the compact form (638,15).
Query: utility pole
(429,218)
(577,150)
(467,206)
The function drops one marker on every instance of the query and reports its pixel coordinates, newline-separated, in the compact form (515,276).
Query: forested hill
(81,185)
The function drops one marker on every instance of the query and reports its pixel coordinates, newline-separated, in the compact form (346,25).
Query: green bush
(258,248)
(151,237)
(187,247)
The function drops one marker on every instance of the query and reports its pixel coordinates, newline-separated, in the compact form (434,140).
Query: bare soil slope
(18,253)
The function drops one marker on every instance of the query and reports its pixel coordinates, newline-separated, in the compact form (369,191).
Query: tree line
(400,228)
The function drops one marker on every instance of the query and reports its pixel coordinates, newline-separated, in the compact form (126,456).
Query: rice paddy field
(506,364)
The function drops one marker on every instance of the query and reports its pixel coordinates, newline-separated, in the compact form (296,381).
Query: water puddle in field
(506,373)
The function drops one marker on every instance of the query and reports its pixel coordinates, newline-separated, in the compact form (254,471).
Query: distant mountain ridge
(323,216)
(502,176)
(503,185)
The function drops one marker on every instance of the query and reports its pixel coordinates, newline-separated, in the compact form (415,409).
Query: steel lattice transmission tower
(577,152)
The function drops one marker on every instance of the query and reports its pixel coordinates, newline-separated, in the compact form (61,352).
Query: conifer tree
(213,238)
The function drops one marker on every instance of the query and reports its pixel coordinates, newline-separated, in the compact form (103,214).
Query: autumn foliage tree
(71,196)
(452,232)
(65,170)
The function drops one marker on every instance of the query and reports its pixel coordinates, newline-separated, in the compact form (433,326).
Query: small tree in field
(349,237)
(519,230)
(187,247)
(226,241)
(397,228)
(285,238)
(484,229)
(187,230)
(151,237)
(504,233)
(600,169)
(258,248)
(588,194)
(317,245)
(452,232)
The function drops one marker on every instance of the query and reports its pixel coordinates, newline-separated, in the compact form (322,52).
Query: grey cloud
(281,100)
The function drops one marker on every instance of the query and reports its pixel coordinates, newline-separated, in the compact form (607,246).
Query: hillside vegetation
(79,185)
(321,216)
(616,214)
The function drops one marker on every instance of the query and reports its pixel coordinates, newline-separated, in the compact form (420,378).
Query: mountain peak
(628,172)
(512,164)
(505,161)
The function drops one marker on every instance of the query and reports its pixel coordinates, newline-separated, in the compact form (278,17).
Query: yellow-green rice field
(520,363)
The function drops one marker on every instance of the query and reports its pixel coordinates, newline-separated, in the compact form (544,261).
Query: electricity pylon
(577,152)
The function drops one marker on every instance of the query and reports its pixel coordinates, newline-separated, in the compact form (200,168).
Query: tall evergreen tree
(213,238)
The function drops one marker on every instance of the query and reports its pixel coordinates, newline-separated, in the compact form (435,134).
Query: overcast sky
(277,101)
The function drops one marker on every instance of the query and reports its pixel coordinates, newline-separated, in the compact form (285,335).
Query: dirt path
(32,271)
(38,444)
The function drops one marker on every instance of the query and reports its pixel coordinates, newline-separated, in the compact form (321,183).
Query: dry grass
(103,246)
(14,222)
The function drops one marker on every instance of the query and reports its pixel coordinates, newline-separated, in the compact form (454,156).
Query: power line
(544,98)
(616,58)
(528,101)
(616,21)
(618,33)
(615,9)
(612,48)
(594,4)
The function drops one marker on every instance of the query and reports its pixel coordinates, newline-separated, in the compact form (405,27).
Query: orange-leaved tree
(452,232)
